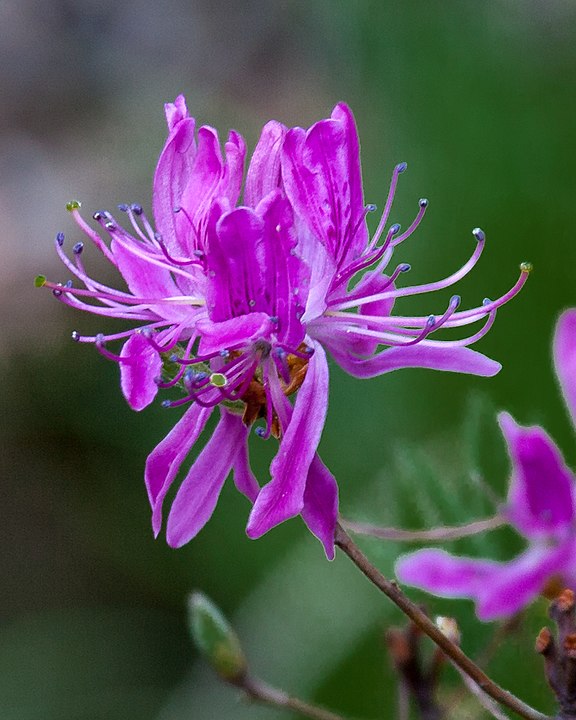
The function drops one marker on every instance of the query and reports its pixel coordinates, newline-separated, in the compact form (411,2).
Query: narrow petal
(264,172)
(172,174)
(440,573)
(197,497)
(283,496)
(499,589)
(320,511)
(230,334)
(565,358)
(434,357)
(165,460)
(540,500)
(514,585)
(244,478)
(138,374)
(175,112)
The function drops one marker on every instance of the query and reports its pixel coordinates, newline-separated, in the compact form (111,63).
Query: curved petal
(236,332)
(137,375)
(173,171)
(197,496)
(499,589)
(541,495)
(244,478)
(515,584)
(175,112)
(436,357)
(264,172)
(283,496)
(320,511)
(565,358)
(165,460)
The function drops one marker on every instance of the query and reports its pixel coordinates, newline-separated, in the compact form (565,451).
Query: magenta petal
(540,500)
(320,511)
(452,359)
(230,334)
(515,584)
(197,497)
(137,375)
(175,112)
(440,573)
(173,172)
(244,478)
(565,358)
(264,172)
(165,460)
(283,496)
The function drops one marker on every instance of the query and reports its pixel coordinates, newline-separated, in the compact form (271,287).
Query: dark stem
(392,591)
(259,691)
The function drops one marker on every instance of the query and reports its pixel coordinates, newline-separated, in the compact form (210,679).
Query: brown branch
(392,591)
(261,692)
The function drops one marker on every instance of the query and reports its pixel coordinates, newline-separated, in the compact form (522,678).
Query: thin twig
(442,533)
(392,591)
(261,692)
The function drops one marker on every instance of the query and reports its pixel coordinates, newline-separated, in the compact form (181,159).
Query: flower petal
(137,375)
(320,511)
(231,334)
(283,496)
(164,461)
(264,172)
(540,499)
(499,589)
(197,497)
(244,478)
(565,358)
(434,357)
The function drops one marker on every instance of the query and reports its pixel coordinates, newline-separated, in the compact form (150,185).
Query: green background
(479,99)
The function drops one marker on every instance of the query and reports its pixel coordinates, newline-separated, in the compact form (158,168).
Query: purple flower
(541,505)
(235,304)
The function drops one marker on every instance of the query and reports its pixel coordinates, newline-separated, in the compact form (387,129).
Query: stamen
(60,238)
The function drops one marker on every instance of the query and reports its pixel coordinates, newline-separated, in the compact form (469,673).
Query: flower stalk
(419,618)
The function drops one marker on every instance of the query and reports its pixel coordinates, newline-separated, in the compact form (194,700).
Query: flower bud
(215,638)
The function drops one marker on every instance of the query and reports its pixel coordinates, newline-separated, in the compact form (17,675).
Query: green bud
(215,638)
(73,205)
(39,280)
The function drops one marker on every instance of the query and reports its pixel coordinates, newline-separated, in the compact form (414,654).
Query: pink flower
(235,304)
(541,506)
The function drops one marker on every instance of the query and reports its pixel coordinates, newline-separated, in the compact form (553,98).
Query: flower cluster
(541,505)
(236,303)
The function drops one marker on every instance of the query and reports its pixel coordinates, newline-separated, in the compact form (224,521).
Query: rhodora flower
(235,304)
(541,505)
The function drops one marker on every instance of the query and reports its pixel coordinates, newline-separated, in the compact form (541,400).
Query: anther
(136,209)
(123,207)
(73,205)
(57,293)
(431,320)
(173,358)
(98,215)
(526,267)
(75,336)
(260,431)
(371,207)
(394,229)
(224,353)
(404,267)
(455,301)
(60,238)
(479,234)
(486,301)
(166,403)
(77,249)
(218,380)
(198,253)
(400,168)
(274,319)
(110,225)
(99,339)
(423,202)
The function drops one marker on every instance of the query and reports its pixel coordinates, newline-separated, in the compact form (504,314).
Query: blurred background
(479,99)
